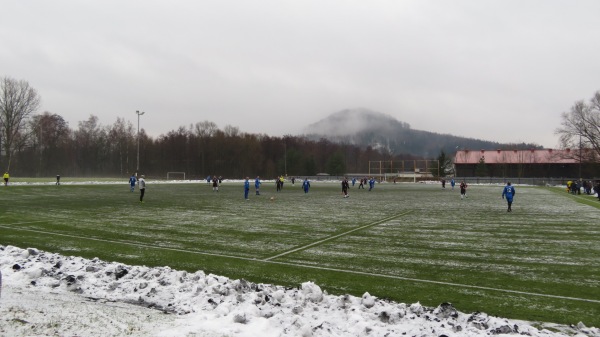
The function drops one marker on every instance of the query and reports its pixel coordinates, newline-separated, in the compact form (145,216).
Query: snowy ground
(45,294)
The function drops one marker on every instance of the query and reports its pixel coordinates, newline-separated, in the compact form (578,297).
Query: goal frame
(416,169)
(171,173)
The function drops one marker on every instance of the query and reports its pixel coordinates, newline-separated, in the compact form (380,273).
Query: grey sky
(497,70)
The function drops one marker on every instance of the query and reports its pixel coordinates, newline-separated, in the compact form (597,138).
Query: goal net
(414,169)
(175,175)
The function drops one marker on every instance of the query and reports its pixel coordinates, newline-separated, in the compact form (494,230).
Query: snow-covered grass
(46,294)
(404,242)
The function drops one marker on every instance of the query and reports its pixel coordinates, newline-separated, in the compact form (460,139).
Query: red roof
(544,156)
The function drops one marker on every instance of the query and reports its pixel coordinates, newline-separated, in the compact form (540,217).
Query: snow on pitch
(50,294)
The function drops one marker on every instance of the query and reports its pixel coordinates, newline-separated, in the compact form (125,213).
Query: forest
(47,147)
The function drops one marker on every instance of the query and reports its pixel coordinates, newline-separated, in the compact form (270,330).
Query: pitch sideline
(458,285)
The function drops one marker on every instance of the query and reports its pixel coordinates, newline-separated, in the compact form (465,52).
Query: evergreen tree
(310,166)
(336,165)
(481,169)
(445,165)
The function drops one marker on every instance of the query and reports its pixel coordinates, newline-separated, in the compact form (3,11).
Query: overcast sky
(500,70)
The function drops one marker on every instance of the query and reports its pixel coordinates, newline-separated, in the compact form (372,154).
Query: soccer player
(345,187)
(142,186)
(215,184)
(132,181)
(463,189)
(306,185)
(246,188)
(508,193)
(6,177)
(257,185)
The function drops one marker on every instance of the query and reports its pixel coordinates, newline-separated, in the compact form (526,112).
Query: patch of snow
(50,294)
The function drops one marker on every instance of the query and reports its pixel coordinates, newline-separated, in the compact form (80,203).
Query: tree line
(50,147)
(44,145)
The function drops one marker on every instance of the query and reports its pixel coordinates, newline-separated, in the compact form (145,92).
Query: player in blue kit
(508,193)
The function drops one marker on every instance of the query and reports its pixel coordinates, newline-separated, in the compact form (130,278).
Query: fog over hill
(364,127)
(352,121)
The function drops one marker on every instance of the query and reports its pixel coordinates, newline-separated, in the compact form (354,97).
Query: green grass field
(404,242)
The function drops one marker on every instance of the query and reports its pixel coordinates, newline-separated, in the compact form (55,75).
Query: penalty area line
(378,222)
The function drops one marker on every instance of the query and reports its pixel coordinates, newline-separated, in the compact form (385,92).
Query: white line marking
(459,285)
(128,243)
(22,223)
(336,236)
(436,282)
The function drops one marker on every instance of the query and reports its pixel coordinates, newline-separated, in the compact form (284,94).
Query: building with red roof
(534,163)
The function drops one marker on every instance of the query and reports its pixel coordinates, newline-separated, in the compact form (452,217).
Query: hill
(364,127)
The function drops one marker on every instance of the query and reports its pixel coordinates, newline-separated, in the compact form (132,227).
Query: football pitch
(403,242)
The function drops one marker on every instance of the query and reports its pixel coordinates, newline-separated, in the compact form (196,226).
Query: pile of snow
(50,294)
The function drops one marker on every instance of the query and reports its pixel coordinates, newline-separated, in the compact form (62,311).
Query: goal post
(415,169)
(175,175)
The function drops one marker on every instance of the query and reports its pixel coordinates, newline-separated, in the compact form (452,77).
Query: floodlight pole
(138,113)
(285,156)
(580,155)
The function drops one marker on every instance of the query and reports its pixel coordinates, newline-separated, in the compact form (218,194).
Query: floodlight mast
(138,113)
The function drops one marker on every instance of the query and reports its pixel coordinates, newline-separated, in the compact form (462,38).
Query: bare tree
(122,136)
(205,129)
(91,147)
(593,132)
(231,131)
(49,139)
(580,129)
(18,101)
